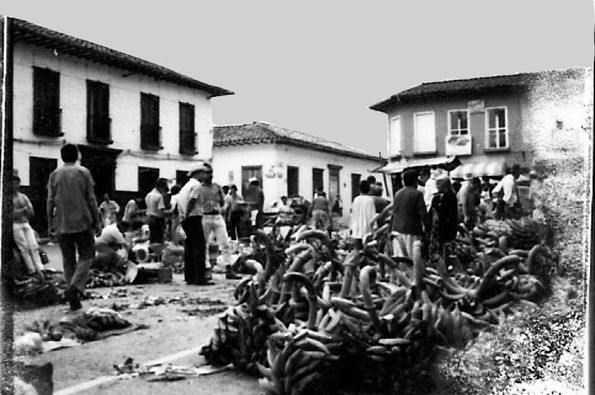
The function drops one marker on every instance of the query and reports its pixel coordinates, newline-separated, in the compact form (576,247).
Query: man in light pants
(210,200)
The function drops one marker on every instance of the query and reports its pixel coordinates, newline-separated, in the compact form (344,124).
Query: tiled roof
(26,31)
(471,85)
(265,133)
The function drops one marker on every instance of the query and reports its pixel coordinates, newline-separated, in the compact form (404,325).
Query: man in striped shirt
(210,201)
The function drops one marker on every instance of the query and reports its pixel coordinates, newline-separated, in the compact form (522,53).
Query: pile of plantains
(319,318)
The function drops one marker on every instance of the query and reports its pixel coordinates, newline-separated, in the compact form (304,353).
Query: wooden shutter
(149,122)
(98,120)
(187,134)
(46,102)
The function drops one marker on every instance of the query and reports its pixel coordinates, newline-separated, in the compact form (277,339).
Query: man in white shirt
(507,194)
(363,212)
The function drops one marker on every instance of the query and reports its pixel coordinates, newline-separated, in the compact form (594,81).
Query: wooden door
(147,177)
(247,173)
(317,179)
(293,181)
(355,180)
(334,186)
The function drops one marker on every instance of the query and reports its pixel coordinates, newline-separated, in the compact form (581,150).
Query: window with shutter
(98,120)
(150,131)
(46,102)
(187,133)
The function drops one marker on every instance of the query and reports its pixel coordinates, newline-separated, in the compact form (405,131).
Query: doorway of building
(334,186)
(293,181)
(247,173)
(101,162)
(317,179)
(355,180)
(147,177)
(39,174)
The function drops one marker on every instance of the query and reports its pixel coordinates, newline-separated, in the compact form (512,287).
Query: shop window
(496,128)
(458,123)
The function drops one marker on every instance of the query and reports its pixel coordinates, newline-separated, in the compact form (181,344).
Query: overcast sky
(316,66)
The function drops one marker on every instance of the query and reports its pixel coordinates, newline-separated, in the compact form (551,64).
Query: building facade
(133,121)
(289,163)
(488,123)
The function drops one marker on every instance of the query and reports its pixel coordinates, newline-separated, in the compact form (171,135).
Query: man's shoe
(204,282)
(72,295)
(231,274)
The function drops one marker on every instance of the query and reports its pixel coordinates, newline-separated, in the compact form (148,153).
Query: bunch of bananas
(103,319)
(98,278)
(318,312)
(523,233)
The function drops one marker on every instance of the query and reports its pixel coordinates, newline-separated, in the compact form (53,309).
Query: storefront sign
(458,145)
(476,106)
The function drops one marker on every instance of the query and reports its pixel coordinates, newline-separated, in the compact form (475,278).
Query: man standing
(209,200)
(508,202)
(233,210)
(409,211)
(255,197)
(195,271)
(320,211)
(467,201)
(108,209)
(156,211)
(72,211)
(363,212)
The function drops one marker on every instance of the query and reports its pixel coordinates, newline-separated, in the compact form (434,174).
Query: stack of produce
(98,278)
(317,315)
(87,326)
(522,234)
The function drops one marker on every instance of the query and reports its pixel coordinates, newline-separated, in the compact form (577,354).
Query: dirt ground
(171,330)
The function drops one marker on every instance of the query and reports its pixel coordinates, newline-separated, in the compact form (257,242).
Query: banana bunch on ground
(98,278)
(321,316)
(299,358)
(523,233)
(103,319)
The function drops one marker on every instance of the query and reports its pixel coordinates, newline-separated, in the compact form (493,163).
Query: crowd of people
(429,208)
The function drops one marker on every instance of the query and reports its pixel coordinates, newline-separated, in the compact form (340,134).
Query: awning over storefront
(445,162)
(479,169)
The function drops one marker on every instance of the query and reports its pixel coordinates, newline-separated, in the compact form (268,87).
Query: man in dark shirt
(255,197)
(409,211)
(73,213)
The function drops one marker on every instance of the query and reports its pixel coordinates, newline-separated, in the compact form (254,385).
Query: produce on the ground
(317,311)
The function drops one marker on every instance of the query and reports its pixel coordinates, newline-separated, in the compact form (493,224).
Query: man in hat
(210,202)
(72,211)
(507,195)
(156,210)
(255,197)
(195,271)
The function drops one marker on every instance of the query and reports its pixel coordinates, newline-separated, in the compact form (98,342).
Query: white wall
(226,159)
(124,112)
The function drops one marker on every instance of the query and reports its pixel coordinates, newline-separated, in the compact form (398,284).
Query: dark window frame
(99,128)
(47,114)
(150,130)
(290,192)
(187,129)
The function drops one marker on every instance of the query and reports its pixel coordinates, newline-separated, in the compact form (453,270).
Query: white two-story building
(133,121)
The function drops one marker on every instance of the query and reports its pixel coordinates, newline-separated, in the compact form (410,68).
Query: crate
(148,275)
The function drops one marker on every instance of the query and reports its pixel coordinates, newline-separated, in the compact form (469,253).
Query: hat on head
(468,176)
(200,166)
(252,179)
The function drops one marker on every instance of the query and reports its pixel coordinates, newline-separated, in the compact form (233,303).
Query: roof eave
(38,35)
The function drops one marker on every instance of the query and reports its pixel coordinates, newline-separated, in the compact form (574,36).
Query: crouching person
(111,249)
